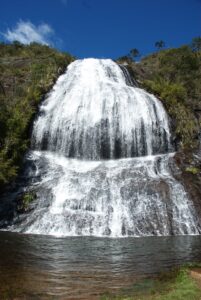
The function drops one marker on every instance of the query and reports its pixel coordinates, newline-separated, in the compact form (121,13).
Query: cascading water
(92,113)
(95,112)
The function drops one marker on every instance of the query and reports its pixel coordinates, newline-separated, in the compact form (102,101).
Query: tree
(17,44)
(160,44)
(134,53)
(196,44)
(124,58)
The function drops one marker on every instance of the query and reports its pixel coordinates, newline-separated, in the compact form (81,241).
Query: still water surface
(45,267)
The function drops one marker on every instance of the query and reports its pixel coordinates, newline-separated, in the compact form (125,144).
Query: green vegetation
(27,72)
(176,80)
(174,75)
(196,44)
(130,57)
(193,170)
(160,44)
(134,53)
(25,200)
(177,285)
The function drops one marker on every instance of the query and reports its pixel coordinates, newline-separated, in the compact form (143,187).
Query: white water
(136,196)
(92,113)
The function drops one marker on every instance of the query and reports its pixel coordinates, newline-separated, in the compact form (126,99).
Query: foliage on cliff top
(27,72)
(174,75)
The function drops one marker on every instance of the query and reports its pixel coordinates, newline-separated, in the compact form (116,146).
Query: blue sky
(101,28)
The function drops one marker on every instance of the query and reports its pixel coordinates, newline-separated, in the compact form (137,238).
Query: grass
(176,285)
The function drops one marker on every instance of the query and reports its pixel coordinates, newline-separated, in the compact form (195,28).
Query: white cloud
(27,32)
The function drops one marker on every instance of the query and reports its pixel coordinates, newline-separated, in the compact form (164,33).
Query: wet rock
(186,161)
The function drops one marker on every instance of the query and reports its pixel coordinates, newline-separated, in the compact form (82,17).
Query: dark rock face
(11,196)
(188,172)
(6,211)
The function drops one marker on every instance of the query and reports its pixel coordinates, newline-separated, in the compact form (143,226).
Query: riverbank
(180,284)
(47,267)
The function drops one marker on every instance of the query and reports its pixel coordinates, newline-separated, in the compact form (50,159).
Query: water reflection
(45,267)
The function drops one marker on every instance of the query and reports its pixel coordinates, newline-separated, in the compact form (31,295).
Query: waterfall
(92,113)
(100,160)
